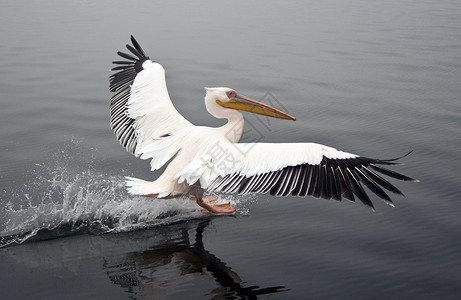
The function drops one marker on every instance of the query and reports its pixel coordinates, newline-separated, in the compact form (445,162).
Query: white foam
(94,201)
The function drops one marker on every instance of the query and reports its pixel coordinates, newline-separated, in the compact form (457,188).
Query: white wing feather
(142,113)
(249,159)
(150,105)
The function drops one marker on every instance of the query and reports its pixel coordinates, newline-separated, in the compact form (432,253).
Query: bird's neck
(233,129)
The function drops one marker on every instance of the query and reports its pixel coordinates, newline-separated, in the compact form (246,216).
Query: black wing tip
(392,161)
(120,83)
(133,40)
(138,47)
(361,168)
(127,69)
(391,173)
(395,159)
(135,43)
(135,49)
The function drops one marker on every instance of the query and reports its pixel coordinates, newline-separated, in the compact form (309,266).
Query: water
(373,78)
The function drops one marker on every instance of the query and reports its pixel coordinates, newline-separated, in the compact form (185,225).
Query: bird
(202,162)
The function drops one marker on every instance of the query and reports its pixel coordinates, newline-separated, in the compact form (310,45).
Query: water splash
(63,201)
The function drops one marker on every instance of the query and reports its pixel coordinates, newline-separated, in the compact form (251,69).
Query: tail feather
(141,187)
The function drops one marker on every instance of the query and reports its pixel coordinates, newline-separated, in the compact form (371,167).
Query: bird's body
(210,159)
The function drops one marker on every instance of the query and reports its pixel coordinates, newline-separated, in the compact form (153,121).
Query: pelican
(205,159)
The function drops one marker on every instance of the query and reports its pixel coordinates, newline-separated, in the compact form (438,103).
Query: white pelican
(210,159)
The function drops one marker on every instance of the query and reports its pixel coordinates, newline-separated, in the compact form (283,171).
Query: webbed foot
(209,204)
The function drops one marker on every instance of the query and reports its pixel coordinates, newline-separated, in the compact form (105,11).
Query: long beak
(241,102)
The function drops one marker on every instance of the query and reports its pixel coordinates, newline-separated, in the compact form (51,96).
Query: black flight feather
(120,83)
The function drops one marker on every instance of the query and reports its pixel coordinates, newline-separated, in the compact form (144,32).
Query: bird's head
(230,99)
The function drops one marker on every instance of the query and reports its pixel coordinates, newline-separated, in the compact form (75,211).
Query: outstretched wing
(141,108)
(301,169)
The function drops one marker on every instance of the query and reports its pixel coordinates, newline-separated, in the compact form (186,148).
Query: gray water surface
(375,78)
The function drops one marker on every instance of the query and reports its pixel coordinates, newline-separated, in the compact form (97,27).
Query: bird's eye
(231,94)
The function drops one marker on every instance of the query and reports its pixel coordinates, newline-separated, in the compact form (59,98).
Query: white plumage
(210,159)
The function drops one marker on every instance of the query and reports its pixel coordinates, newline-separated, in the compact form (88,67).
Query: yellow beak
(241,102)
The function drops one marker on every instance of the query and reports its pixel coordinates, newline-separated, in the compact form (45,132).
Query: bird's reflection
(166,269)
